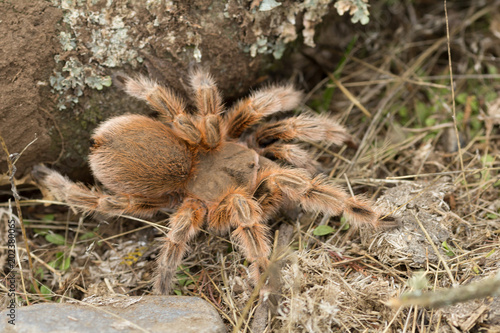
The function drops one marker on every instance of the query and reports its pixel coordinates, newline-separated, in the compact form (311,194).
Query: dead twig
(435,299)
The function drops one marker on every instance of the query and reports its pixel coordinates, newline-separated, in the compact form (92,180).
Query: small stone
(118,314)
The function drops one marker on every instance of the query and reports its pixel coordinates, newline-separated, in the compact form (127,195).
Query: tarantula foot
(50,181)
(39,172)
(257,268)
(389,222)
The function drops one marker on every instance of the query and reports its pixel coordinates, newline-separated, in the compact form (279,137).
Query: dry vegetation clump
(319,297)
(429,153)
(413,203)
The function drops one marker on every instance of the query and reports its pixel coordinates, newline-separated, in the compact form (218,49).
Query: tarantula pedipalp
(200,163)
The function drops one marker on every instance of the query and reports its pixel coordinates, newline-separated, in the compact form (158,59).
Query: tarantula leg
(185,128)
(168,104)
(207,96)
(185,224)
(211,131)
(209,104)
(239,210)
(276,185)
(302,127)
(260,104)
(82,199)
(161,99)
(290,153)
(316,193)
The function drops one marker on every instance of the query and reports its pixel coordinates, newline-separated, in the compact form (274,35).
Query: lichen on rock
(109,45)
(275,23)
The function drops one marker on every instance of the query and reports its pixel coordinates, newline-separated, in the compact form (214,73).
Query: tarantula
(210,164)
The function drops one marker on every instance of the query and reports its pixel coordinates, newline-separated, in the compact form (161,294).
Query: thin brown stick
(453,106)
(348,94)
(435,299)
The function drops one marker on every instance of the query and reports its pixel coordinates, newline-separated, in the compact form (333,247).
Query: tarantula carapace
(210,165)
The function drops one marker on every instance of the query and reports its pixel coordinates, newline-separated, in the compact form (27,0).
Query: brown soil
(27,49)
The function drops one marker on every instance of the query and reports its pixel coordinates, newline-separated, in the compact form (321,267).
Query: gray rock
(117,315)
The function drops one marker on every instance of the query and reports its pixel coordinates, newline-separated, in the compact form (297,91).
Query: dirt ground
(422,149)
(24,67)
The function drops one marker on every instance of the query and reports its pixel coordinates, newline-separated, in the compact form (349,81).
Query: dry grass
(407,156)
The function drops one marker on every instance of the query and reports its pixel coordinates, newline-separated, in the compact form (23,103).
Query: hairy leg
(207,97)
(238,210)
(185,224)
(82,199)
(313,194)
(260,104)
(290,153)
(160,98)
(209,104)
(169,105)
(302,128)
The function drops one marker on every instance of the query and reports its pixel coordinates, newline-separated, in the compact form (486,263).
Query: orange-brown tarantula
(201,164)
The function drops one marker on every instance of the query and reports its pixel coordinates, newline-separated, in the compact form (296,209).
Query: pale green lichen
(98,82)
(284,21)
(358,9)
(279,49)
(266,5)
(197,54)
(68,43)
(109,45)
(73,79)
(283,25)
